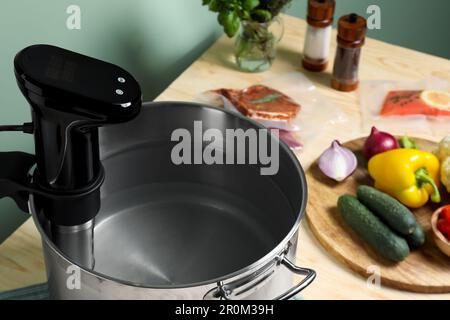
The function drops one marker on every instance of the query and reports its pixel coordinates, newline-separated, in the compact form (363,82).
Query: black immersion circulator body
(71,96)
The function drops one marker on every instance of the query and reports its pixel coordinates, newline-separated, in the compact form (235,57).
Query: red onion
(288,138)
(379,142)
(338,162)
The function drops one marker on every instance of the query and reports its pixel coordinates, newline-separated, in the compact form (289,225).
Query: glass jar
(255,47)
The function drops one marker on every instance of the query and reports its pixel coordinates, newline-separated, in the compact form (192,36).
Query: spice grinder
(119,219)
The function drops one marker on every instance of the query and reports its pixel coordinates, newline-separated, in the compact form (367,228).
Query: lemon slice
(437,99)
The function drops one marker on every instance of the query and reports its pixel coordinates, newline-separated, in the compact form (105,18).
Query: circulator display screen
(57,69)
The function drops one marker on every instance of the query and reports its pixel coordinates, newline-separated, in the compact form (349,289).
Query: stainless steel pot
(180,232)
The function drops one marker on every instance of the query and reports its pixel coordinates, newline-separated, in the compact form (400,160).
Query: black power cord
(25,128)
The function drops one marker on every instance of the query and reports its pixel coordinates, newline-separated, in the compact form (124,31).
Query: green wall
(154,39)
(157,39)
(417,24)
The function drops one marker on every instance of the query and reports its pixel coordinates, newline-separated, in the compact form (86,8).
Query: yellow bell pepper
(411,176)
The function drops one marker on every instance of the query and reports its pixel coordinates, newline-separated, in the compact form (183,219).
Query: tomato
(445,214)
(444,228)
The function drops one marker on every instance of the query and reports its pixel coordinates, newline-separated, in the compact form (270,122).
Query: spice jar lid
(321,12)
(352,30)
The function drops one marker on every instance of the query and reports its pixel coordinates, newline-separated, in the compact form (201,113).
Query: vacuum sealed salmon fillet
(415,102)
(417,107)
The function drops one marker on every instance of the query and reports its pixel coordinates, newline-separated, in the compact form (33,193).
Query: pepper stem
(407,143)
(423,177)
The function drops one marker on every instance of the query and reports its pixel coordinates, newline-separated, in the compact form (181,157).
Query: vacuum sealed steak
(261,102)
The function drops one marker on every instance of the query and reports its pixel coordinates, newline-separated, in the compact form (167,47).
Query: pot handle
(15,178)
(228,291)
(310,276)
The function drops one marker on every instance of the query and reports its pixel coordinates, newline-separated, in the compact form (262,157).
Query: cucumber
(417,238)
(392,212)
(371,229)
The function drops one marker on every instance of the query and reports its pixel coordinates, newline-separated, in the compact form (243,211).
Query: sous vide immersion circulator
(71,96)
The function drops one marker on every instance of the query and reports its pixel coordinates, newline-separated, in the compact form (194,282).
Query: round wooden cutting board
(426,270)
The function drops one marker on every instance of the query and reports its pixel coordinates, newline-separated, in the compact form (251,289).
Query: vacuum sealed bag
(409,107)
(289,103)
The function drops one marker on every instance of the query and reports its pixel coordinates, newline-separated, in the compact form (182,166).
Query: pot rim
(271,256)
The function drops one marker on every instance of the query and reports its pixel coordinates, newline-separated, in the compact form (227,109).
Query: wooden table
(21,262)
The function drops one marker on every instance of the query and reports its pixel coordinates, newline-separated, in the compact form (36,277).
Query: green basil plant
(232,12)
